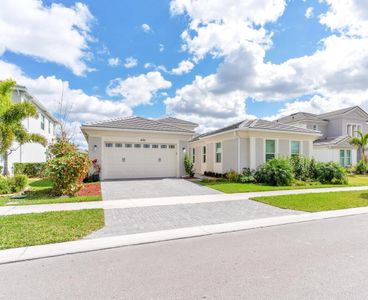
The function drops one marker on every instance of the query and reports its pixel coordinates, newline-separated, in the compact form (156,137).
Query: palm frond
(17,112)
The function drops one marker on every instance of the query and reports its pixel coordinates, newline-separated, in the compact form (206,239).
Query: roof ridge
(168,124)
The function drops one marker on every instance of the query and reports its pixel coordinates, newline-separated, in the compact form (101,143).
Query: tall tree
(361,142)
(11,127)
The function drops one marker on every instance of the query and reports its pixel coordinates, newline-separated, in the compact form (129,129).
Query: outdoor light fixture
(94,147)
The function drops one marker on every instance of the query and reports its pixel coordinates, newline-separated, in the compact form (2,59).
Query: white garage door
(138,160)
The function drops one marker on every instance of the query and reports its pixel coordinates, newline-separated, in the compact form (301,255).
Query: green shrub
(17,183)
(1,169)
(61,147)
(68,172)
(4,185)
(247,176)
(331,173)
(30,169)
(277,171)
(361,167)
(188,165)
(232,176)
(304,168)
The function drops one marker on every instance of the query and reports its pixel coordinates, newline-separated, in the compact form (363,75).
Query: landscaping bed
(40,194)
(50,227)
(319,201)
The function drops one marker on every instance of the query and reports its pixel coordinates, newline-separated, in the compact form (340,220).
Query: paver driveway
(152,188)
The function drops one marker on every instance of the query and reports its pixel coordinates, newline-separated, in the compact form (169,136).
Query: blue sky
(243,59)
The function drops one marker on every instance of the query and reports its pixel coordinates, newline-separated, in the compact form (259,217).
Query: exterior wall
(326,154)
(210,164)
(182,145)
(244,153)
(284,147)
(306,148)
(260,152)
(230,155)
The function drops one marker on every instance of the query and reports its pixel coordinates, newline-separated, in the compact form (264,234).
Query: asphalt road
(315,260)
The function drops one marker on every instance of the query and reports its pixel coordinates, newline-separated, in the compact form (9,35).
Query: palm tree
(360,142)
(11,127)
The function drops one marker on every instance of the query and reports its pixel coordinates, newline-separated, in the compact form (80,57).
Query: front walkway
(162,201)
(152,188)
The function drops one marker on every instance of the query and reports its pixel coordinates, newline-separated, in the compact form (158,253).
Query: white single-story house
(249,144)
(137,147)
(44,125)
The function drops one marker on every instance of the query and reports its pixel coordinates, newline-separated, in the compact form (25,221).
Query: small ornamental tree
(61,147)
(188,165)
(68,172)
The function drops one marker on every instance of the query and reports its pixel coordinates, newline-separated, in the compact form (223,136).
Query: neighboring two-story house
(44,125)
(336,128)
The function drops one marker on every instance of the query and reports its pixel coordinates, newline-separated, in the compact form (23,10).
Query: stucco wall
(260,157)
(284,147)
(244,153)
(210,157)
(229,155)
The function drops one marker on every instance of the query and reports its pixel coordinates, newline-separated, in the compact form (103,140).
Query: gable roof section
(344,111)
(259,124)
(172,120)
(301,116)
(332,141)
(136,123)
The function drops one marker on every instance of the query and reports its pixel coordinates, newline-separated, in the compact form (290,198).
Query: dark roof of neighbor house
(136,123)
(300,116)
(172,120)
(331,141)
(260,125)
(342,111)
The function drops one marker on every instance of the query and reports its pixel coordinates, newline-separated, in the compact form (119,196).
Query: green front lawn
(319,201)
(50,227)
(234,187)
(40,194)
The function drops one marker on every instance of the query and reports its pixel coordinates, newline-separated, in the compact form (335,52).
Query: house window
(137,145)
(204,158)
(345,158)
(218,153)
(171,146)
(49,126)
(146,146)
(128,145)
(315,127)
(193,155)
(348,130)
(42,122)
(295,148)
(108,145)
(270,149)
(163,146)
(118,145)
(154,146)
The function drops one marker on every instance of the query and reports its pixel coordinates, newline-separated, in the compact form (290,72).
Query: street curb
(51,250)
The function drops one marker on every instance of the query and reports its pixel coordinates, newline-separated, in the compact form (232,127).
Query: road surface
(325,259)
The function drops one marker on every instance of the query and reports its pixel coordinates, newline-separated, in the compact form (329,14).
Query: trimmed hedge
(30,169)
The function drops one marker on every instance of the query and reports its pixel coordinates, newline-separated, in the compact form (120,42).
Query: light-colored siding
(244,153)
(182,145)
(230,155)
(210,157)
(306,146)
(284,148)
(260,154)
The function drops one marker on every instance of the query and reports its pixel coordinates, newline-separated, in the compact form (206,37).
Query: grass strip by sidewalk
(318,202)
(49,227)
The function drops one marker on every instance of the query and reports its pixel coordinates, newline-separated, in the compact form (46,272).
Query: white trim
(252,153)
(239,155)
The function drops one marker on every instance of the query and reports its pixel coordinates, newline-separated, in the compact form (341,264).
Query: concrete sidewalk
(146,202)
(42,251)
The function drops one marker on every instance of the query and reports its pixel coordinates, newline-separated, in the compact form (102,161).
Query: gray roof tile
(172,120)
(331,141)
(137,123)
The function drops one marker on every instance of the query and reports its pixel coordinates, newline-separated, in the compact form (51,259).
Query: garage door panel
(139,162)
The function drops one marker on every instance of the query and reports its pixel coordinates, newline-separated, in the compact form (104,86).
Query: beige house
(249,144)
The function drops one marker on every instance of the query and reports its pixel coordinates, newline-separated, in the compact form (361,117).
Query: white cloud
(114,61)
(146,28)
(184,67)
(161,47)
(130,62)
(138,90)
(347,16)
(83,107)
(56,33)
(309,13)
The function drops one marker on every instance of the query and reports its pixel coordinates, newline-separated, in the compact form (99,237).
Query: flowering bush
(67,173)
(61,147)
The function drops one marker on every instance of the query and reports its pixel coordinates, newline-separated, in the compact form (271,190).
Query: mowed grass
(49,227)
(234,187)
(40,194)
(319,201)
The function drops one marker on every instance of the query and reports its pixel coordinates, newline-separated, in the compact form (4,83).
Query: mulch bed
(92,189)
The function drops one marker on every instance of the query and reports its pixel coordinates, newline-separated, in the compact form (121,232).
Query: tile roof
(172,120)
(261,125)
(137,123)
(331,141)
